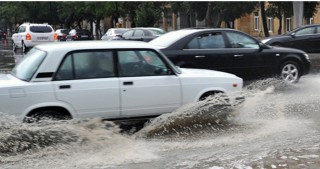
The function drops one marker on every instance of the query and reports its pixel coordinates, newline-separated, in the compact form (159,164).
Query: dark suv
(79,34)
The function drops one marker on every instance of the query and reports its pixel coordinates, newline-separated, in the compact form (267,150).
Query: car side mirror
(293,35)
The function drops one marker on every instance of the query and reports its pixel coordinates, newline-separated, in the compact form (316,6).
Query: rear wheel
(24,48)
(290,71)
(47,114)
(14,47)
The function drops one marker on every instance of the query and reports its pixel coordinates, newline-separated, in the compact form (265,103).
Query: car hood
(7,80)
(286,50)
(205,73)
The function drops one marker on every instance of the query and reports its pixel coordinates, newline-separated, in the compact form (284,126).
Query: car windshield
(29,65)
(157,31)
(40,29)
(120,31)
(169,38)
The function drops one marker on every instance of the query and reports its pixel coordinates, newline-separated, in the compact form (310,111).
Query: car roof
(36,24)
(95,44)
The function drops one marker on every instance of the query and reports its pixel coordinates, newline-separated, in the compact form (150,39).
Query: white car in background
(113,33)
(110,80)
(30,34)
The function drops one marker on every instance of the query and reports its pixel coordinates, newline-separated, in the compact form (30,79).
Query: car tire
(24,48)
(46,114)
(290,71)
(14,47)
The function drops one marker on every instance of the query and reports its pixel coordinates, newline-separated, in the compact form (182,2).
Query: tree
(310,8)
(278,9)
(230,11)
(264,19)
(147,14)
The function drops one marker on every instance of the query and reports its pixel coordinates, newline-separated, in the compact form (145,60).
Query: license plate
(84,36)
(42,38)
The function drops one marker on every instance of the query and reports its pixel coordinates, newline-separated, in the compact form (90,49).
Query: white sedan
(110,80)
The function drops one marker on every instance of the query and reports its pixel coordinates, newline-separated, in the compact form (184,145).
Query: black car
(232,51)
(79,34)
(62,34)
(141,34)
(306,38)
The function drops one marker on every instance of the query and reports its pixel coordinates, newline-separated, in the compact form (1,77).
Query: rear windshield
(40,29)
(84,32)
(65,31)
(29,65)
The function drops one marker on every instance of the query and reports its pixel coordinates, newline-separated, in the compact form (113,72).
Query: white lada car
(110,80)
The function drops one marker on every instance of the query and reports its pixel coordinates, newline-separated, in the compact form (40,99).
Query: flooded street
(278,126)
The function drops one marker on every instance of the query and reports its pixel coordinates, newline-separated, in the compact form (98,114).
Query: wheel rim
(290,73)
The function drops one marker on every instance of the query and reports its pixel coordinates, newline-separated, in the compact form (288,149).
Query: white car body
(21,38)
(114,97)
(112,33)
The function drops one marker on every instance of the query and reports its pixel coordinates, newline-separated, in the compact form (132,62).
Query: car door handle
(127,83)
(237,55)
(64,87)
(200,56)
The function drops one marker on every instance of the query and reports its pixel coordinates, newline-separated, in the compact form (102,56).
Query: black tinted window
(207,41)
(40,29)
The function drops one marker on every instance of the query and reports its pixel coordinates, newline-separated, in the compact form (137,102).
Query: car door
(148,86)
(86,80)
(206,51)
(316,41)
(303,39)
(248,59)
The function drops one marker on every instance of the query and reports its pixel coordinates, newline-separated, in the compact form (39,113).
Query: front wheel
(290,71)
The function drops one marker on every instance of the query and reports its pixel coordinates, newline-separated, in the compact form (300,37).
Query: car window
(141,63)
(306,31)
(22,29)
(40,29)
(138,33)
(238,40)
(86,65)
(128,34)
(207,41)
(318,29)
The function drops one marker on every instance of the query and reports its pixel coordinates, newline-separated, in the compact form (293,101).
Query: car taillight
(55,37)
(28,36)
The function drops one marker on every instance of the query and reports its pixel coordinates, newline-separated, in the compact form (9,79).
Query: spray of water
(213,114)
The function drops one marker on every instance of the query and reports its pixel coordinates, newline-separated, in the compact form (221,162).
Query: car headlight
(306,55)
(265,40)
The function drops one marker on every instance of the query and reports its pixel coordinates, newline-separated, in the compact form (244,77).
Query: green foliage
(310,8)
(147,14)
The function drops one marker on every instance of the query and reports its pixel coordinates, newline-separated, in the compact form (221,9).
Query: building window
(270,24)
(256,21)
(288,24)
(309,21)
